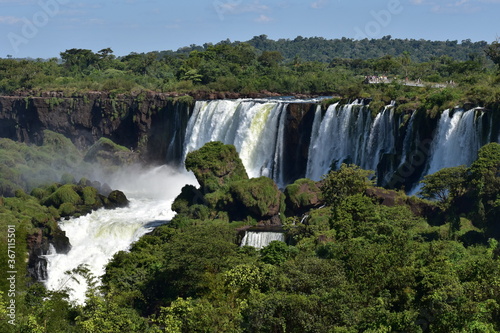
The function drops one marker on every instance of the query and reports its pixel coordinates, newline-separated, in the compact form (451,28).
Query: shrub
(64,194)
(260,196)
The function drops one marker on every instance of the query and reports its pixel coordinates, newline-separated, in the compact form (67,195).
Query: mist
(154,182)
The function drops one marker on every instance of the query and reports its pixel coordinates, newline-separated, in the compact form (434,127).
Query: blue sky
(44,28)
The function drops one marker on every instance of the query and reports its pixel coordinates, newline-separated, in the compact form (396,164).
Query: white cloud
(319,4)
(454,6)
(239,7)
(75,22)
(19,2)
(263,18)
(9,20)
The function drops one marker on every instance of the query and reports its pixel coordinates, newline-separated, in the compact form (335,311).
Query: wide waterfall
(348,133)
(392,144)
(260,239)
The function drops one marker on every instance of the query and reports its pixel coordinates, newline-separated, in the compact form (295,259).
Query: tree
(270,58)
(485,186)
(79,60)
(348,180)
(386,64)
(445,184)
(193,255)
(106,57)
(275,253)
(405,61)
(493,52)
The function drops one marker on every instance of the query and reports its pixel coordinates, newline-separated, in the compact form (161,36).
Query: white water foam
(96,237)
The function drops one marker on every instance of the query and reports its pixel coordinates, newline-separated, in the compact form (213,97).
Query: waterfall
(96,237)
(457,140)
(343,133)
(408,139)
(348,133)
(279,154)
(381,139)
(260,239)
(172,149)
(254,127)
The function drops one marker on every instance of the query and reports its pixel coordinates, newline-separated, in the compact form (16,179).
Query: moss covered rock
(64,194)
(116,199)
(67,209)
(189,196)
(302,195)
(61,146)
(76,200)
(109,154)
(215,165)
(226,193)
(91,196)
(260,197)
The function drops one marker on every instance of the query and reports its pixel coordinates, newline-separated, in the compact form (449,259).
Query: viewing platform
(374,79)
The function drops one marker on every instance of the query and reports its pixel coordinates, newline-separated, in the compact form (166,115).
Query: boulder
(215,165)
(109,154)
(257,197)
(189,196)
(64,194)
(116,199)
(226,190)
(302,195)
(76,200)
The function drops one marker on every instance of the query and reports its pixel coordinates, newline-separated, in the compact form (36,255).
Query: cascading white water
(381,138)
(457,140)
(96,237)
(260,239)
(349,133)
(279,153)
(407,140)
(254,127)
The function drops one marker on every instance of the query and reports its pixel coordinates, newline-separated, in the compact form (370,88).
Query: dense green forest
(466,71)
(324,50)
(365,258)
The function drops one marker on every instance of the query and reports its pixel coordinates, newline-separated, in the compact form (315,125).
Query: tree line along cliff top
(311,66)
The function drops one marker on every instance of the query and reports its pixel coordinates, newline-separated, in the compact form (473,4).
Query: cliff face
(297,137)
(149,122)
(153,123)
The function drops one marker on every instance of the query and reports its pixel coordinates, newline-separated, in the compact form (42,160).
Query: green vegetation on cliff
(419,73)
(358,258)
(24,166)
(215,165)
